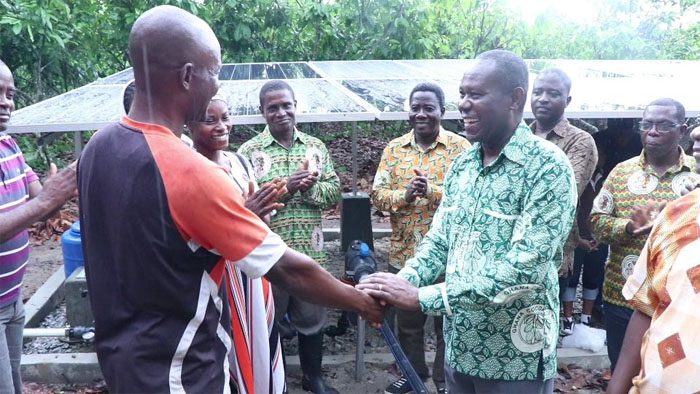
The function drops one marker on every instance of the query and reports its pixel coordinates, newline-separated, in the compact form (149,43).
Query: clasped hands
(389,289)
(418,186)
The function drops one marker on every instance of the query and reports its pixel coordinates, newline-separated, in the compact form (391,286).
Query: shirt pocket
(499,223)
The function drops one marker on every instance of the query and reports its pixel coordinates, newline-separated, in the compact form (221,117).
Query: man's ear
(684,129)
(186,75)
(517,99)
(568,101)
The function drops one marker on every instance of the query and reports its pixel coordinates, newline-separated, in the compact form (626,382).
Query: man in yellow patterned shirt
(408,185)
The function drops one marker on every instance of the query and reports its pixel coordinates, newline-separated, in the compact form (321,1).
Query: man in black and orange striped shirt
(159,220)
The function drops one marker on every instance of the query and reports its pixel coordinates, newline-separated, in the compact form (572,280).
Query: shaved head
(176,58)
(167,36)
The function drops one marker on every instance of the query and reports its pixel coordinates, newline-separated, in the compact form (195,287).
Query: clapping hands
(302,180)
(264,200)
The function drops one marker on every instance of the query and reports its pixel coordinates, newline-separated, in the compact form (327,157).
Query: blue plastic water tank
(72,249)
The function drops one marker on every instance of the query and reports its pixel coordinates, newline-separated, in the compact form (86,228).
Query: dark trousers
(411,333)
(616,320)
(593,266)
(464,384)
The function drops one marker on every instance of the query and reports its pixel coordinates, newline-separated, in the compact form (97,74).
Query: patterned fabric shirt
(630,184)
(410,221)
(581,151)
(498,237)
(299,222)
(15,177)
(255,362)
(665,284)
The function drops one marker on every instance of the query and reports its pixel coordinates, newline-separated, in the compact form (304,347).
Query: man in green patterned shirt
(507,208)
(282,151)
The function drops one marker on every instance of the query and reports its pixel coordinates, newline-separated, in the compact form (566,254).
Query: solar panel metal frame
(648,80)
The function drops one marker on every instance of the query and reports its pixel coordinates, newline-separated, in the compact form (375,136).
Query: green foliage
(38,157)
(53,46)
(56,45)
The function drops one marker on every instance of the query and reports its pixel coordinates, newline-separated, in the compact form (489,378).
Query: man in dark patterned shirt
(550,97)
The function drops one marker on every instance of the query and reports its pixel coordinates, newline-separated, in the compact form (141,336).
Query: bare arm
(298,274)
(630,361)
(56,191)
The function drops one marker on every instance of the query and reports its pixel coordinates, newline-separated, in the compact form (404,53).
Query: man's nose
(464,106)
(4,101)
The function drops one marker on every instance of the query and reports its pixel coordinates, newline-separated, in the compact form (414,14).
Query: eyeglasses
(661,127)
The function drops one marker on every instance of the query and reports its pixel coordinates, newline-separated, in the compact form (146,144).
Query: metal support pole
(78,142)
(360,349)
(354,158)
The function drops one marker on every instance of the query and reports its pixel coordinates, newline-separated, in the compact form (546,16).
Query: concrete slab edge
(61,368)
(44,299)
(332,233)
(64,368)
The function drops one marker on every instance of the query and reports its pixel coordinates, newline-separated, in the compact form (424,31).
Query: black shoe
(318,386)
(310,358)
(567,327)
(442,390)
(401,386)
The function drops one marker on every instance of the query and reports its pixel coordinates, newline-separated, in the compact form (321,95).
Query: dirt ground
(46,258)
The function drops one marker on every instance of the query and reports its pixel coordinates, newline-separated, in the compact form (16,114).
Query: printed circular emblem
(512,293)
(628,265)
(317,239)
(261,163)
(681,180)
(604,202)
(642,183)
(532,328)
(315,158)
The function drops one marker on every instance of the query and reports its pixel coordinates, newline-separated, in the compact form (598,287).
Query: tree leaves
(56,45)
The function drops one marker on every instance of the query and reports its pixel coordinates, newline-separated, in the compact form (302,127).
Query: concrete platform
(332,233)
(63,368)
(45,299)
(83,367)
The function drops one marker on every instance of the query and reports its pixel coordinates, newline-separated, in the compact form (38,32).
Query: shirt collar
(513,150)
(561,128)
(267,139)
(409,139)
(684,162)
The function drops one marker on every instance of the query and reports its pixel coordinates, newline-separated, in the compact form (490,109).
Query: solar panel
(379,89)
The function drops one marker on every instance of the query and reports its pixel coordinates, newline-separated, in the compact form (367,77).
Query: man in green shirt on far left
(282,151)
